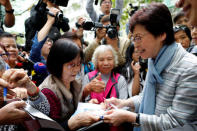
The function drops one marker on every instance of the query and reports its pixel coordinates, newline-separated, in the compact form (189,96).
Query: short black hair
(157,19)
(62,51)
(178,16)
(6,34)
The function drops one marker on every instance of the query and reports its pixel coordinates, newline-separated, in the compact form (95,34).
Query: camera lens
(112,33)
(59,15)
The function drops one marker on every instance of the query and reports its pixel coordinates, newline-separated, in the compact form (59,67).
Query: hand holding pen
(5,91)
(113,103)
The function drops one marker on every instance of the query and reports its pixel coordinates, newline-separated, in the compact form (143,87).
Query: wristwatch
(11,11)
(137,121)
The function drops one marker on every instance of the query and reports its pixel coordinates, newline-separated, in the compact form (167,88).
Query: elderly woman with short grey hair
(103,82)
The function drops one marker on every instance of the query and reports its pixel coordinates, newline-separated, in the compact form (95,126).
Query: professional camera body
(60,2)
(60,21)
(133,9)
(111,29)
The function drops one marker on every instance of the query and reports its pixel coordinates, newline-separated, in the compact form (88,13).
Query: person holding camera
(42,42)
(44,39)
(105,7)
(39,17)
(104,36)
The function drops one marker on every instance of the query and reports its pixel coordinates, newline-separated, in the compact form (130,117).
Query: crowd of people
(149,75)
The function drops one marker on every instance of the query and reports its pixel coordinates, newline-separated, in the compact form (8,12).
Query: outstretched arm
(9,20)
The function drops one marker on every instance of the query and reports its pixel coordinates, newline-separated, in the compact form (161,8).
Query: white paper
(88,107)
(34,112)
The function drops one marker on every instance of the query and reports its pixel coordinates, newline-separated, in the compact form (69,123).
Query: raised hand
(97,85)
(136,67)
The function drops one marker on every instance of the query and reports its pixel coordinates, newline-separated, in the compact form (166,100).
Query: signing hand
(117,102)
(13,113)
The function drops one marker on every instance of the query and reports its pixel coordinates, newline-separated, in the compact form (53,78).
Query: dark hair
(6,34)
(54,34)
(129,59)
(178,16)
(156,18)
(103,1)
(62,51)
(70,35)
(184,28)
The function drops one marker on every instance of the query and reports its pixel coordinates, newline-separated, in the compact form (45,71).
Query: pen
(112,105)
(4,93)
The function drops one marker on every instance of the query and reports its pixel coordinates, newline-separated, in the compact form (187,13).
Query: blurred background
(75,9)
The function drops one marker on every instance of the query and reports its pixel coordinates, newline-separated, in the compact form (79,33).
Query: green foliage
(76,6)
(126,10)
(20,41)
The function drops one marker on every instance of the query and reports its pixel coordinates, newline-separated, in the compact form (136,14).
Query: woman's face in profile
(147,45)
(70,69)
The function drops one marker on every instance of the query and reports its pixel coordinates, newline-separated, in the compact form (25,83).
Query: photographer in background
(9,19)
(43,39)
(42,42)
(105,7)
(39,18)
(103,36)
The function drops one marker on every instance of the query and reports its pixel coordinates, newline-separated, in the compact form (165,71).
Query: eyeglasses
(106,2)
(138,37)
(72,66)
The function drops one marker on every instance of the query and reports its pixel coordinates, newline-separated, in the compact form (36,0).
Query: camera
(60,2)
(111,29)
(133,9)
(60,20)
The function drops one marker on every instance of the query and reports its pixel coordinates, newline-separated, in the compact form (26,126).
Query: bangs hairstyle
(62,51)
(157,19)
(102,49)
